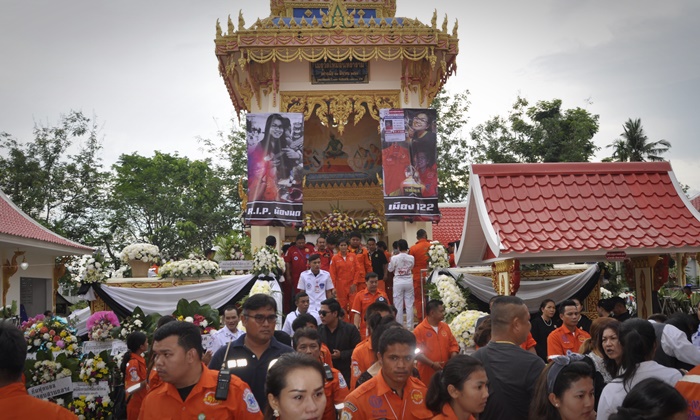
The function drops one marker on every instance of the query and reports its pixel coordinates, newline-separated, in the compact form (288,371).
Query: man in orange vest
(420,253)
(364,299)
(364,263)
(569,336)
(435,341)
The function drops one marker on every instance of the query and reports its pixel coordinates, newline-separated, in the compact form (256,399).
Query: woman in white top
(401,265)
(638,342)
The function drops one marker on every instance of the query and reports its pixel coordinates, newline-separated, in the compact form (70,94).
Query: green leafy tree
(453,172)
(540,133)
(63,191)
(634,146)
(170,201)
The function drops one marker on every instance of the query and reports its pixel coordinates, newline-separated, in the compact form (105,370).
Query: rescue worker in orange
(307,341)
(363,356)
(569,336)
(420,253)
(15,402)
(364,263)
(325,253)
(364,299)
(134,372)
(435,341)
(189,387)
(393,393)
(344,275)
(308,321)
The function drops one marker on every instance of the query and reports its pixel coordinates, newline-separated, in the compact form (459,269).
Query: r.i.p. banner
(409,162)
(275,169)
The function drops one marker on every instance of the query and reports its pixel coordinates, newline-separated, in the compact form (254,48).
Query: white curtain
(531,292)
(164,300)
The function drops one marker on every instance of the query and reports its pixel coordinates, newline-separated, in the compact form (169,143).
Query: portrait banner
(275,169)
(409,164)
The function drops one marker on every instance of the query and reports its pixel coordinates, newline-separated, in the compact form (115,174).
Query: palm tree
(637,146)
(620,153)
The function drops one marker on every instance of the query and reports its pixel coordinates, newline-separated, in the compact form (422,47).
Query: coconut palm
(620,153)
(637,146)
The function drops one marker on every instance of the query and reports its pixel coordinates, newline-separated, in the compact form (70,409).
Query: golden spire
(218,29)
(241,22)
(231,28)
(444,24)
(454,30)
(433,21)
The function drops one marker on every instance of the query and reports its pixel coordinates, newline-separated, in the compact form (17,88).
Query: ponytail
(125,362)
(134,341)
(437,394)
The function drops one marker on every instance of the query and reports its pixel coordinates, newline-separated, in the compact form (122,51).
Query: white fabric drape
(164,300)
(531,292)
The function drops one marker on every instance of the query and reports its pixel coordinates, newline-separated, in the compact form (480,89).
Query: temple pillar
(506,277)
(643,281)
(407,231)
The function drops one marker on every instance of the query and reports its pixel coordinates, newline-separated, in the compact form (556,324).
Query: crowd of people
(349,349)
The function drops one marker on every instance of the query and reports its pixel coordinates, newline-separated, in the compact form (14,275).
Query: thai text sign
(348,71)
(51,389)
(100,389)
(409,163)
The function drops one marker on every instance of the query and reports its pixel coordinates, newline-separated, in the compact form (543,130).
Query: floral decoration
(9,311)
(92,269)
(310,224)
(91,407)
(463,327)
(338,222)
(137,321)
(605,293)
(267,262)
(101,324)
(94,369)
(45,371)
(142,252)
(203,316)
(51,334)
(438,256)
(630,301)
(190,268)
(451,296)
(371,223)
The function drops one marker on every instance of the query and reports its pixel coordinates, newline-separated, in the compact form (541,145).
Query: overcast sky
(147,68)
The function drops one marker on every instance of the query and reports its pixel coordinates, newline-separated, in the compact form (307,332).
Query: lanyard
(392,408)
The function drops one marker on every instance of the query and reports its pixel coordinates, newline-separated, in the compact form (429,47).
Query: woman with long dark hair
(652,399)
(134,372)
(265,160)
(459,391)
(638,342)
(294,388)
(542,325)
(565,390)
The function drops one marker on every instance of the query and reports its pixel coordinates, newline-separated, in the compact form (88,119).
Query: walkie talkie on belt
(224,379)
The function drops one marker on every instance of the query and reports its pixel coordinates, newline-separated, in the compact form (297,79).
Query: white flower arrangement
(45,371)
(450,295)
(267,262)
(605,293)
(261,287)
(93,370)
(463,327)
(437,256)
(190,268)
(142,252)
(630,301)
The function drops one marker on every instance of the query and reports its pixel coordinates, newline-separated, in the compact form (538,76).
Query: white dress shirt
(222,337)
(675,343)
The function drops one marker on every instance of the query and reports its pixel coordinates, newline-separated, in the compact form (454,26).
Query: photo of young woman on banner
(275,169)
(409,162)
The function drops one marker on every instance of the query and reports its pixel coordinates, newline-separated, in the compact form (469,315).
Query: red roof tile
(576,209)
(15,222)
(449,229)
(696,202)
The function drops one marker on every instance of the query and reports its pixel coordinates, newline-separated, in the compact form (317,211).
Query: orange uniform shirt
(135,373)
(448,414)
(420,254)
(529,342)
(336,391)
(154,380)
(16,404)
(689,387)
(326,355)
(375,400)
(164,402)
(435,346)
(362,358)
(561,340)
(359,306)
(343,273)
(364,264)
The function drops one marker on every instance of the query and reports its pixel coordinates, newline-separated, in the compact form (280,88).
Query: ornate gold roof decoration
(336,108)
(335,30)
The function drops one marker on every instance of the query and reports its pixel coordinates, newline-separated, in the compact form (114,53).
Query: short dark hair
(355,234)
(314,257)
(13,348)
(502,313)
(432,305)
(300,236)
(421,234)
(333,305)
(342,240)
(376,307)
(164,320)
(300,295)
(606,304)
(564,304)
(277,374)
(189,336)
(402,245)
(271,241)
(331,240)
(259,301)
(302,320)
(396,336)
(381,244)
(229,308)
(371,275)
(371,240)
(380,327)
(305,332)
(651,398)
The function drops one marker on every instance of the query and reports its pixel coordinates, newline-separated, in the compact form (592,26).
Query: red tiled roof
(696,202)
(577,211)
(449,228)
(15,222)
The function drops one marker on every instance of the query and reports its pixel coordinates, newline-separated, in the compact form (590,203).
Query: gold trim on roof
(339,106)
(384,8)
